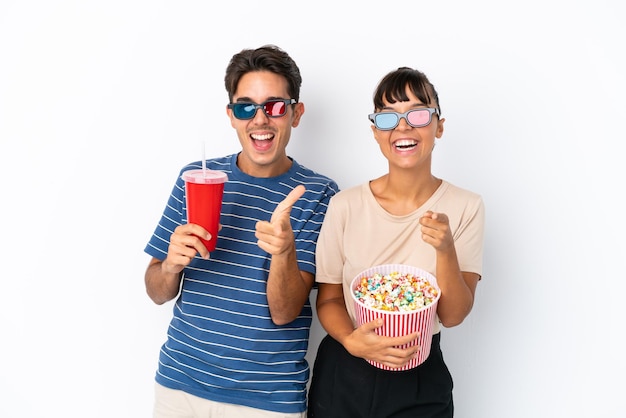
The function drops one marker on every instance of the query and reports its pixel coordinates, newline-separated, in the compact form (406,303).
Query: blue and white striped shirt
(221,343)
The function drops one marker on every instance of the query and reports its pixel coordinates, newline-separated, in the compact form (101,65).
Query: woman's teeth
(405,143)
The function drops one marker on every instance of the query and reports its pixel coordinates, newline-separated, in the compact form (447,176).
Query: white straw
(203,159)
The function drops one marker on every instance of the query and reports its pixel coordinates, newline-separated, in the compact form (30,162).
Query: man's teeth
(261,137)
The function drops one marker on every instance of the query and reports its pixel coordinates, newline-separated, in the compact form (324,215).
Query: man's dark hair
(266,58)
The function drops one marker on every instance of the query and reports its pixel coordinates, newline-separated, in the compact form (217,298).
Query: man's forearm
(287,288)
(161,286)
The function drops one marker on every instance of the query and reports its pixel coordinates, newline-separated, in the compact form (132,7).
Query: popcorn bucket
(399,322)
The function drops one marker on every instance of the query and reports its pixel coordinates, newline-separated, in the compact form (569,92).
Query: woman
(407,216)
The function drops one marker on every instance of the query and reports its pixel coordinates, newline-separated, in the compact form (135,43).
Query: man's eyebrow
(249,100)
(244,99)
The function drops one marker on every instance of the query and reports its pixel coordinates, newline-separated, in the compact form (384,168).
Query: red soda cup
(204,190)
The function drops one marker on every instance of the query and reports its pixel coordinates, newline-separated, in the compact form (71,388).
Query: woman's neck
(402,193)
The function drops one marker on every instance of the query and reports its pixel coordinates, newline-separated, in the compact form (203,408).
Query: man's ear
(298,111)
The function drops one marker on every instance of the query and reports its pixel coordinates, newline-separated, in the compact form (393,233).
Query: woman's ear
(439,132)
(375,132)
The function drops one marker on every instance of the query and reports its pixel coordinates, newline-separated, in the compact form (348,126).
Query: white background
(101,103)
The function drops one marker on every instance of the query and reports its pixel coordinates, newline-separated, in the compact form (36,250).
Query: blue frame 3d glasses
(386,121)
(273,108)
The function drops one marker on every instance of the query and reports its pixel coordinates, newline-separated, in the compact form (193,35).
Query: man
(240,326)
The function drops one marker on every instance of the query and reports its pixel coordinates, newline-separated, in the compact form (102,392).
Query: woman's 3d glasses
(274,108)
(386,121)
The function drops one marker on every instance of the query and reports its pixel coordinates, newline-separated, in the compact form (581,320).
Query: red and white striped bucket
(399,323)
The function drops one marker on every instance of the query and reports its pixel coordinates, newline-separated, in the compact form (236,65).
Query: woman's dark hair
(392,88)
(266,58)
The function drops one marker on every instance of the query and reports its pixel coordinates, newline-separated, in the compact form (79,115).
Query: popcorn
(405,297)
(395,292)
